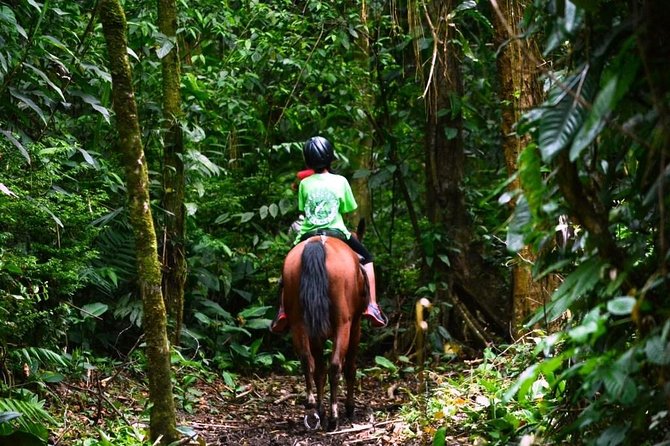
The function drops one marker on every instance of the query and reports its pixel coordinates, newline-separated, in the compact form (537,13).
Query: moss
(162,420)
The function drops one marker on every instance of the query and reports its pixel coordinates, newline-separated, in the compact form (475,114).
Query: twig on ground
(364,427)
(284,398)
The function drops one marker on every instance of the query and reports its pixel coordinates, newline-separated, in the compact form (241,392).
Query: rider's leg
(280,323)
(373,312)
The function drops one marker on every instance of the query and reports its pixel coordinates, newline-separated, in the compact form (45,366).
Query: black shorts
(353,242)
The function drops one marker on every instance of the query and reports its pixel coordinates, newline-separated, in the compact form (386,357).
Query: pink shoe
(280,324)
(375,315)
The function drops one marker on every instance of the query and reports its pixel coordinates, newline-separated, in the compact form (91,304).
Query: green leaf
(530,177)
(620,386)
(46,79)
(233,329)
(254,312)
(613,436)
(17,144)
(657,350)
(564,113)
(29,102)
(165,46)
(521,217)
(216,309)
(52,377)
(258,324)
(87,157)
(606,101)
(246,216)
(95,309)
(621,306)
(595,121)
(94,103)
(383,362)
(34,418)
(440,438)
(576,285)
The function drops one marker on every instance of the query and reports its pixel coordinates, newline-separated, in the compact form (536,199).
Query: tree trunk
(174,250)
(480,306)
(362,159)
(519,92)
(162,418)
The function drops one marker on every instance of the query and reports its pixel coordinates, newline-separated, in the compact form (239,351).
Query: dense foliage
(258,78)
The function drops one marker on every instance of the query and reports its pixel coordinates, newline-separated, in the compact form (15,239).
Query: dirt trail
(270,412)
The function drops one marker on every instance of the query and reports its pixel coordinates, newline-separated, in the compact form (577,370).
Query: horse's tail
(314,290)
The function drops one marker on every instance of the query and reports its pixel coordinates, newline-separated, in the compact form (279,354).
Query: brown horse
(324,298)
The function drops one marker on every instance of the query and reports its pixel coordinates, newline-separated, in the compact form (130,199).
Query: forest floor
(263,409)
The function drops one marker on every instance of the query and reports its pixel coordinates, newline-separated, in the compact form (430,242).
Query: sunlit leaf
(621,306)
(165,46)
(93,102)
(95,309)
(87,156)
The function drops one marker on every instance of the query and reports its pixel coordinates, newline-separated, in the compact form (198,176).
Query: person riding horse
(323,197)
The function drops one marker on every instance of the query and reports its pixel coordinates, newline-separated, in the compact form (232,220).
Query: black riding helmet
(318,153)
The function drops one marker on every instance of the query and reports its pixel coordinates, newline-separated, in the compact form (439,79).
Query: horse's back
(346,282)
(341,261)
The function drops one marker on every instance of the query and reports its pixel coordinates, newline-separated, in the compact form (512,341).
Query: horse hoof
(333,424)
(312,421)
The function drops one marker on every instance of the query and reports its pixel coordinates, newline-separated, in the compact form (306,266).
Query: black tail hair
(314,290)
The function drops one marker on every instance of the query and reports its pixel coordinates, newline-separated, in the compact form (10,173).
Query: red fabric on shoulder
(304,173)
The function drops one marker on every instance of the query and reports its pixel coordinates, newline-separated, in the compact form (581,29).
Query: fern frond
(34,418)
(43,356)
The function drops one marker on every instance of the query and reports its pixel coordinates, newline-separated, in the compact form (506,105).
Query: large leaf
(34,418)
(530,176)
(520,219)
(17,144)
(564,113)
(93,102)
(576,285)
(606,100)
(46,79)
(28,102)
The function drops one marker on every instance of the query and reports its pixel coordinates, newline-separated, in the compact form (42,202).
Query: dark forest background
(510,159)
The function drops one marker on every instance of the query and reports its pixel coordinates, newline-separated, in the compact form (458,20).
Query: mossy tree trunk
(479,299)
(162,418)
(519,92)
(362,159)
(174,250)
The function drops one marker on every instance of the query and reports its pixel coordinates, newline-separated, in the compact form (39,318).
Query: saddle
(326,232)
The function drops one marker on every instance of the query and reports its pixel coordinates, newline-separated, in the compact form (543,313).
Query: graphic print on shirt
(322,207)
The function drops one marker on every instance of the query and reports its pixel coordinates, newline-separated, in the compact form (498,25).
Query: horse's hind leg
(302,347)
(350,368)
(319,378)
(337,360)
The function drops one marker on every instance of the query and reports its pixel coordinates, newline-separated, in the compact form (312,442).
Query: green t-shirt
(324,197)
